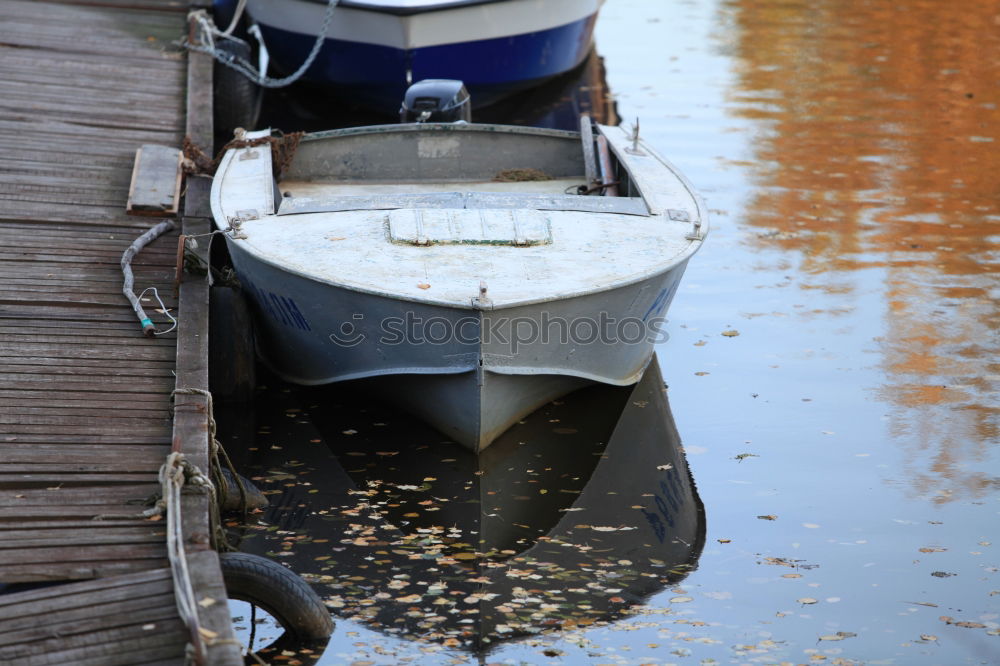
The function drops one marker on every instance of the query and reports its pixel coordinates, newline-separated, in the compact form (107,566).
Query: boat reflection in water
(578,512)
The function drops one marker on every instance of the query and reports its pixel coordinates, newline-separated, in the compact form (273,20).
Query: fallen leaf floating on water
(768,517)
(731,333)
(423,285)
(928,637)
(681,600)
(839,636)
(933,549)
(942,574)
(724,540)
(807,600)
(968,625)
(741,456)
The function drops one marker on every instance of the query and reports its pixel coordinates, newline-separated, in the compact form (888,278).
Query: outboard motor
(436,100)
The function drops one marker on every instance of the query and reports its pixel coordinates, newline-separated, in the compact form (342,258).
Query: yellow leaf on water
(731,333)
(806,600)
(423,285)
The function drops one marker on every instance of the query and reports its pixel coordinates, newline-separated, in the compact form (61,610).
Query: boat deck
(86,415)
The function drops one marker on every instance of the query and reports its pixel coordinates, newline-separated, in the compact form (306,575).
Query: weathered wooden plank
(137,471)
(57,133)
(14,481)
(44,572)
(70,213)
(21,312)
(83,552)
(120,496)
(141,401)
(53,526)
(37,408)
(98,347)
(44,600)
(41,638)
(158,5)
(107,366)
(79,456)
(24,539)
(156,181)
(18,421)
(91,433)
(80,382)
(83,439)
(80,238)
(124,653)
(67,620)
(66,511)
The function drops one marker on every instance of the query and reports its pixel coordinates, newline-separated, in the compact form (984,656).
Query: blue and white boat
(374,49)
(468,273)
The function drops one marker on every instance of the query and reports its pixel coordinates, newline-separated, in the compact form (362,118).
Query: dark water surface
(833,376)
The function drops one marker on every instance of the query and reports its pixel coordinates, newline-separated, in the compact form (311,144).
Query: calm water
(844,445)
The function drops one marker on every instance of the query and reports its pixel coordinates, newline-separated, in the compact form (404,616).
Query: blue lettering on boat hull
(280,308)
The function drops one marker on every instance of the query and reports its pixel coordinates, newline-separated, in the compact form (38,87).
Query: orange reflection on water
(877,149)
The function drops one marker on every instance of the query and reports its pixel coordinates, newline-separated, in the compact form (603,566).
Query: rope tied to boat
(283,147)
(204,41)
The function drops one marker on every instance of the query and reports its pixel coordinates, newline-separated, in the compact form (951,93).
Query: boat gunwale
(402,128)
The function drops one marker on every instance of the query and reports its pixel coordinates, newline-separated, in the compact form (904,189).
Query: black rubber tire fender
(232,357)
(280,592)
(236,100)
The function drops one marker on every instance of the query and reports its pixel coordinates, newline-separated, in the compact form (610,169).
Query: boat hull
(371,57)
(470,372)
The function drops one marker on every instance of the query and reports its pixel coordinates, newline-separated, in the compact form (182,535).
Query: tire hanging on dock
(237,100)
(281,593)
(232,358)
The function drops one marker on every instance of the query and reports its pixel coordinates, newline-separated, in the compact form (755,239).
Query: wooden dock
(86,412)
